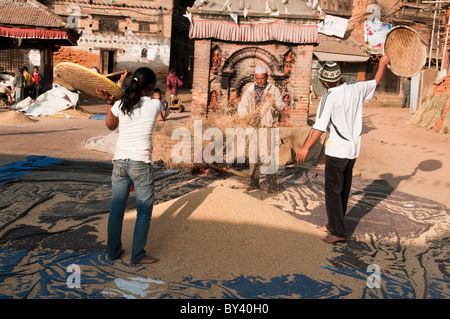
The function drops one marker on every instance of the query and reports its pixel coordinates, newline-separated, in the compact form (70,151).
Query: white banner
(375,32)
(35,57)
(334,26)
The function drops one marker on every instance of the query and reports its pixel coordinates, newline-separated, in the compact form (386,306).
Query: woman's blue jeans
(125,173)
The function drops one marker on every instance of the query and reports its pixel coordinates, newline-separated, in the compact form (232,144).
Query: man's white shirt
(340,114)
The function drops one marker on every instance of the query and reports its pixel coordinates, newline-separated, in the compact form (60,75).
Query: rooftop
(28,13)
(283,9)
(330,44)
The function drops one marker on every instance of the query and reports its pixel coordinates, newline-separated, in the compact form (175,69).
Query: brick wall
(162,140)
(360,15)
(300,79)
(356,22)
(200,81)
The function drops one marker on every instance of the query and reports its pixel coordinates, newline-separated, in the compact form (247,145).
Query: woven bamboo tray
(86,80)
(406,50)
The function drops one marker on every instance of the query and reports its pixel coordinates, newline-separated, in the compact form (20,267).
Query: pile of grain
(14,118)
(78,113)
(224,119)
(224,231)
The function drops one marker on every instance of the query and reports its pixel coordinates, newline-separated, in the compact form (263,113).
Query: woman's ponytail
(141,79)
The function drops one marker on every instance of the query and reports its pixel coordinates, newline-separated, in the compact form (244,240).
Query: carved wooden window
(144,27)
(337,7)
(108,25)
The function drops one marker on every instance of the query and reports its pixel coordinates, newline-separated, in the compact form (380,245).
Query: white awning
(325,56)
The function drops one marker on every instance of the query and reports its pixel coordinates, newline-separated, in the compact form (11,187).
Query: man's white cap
(260,69)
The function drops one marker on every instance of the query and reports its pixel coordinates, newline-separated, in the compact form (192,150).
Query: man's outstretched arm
(384,61)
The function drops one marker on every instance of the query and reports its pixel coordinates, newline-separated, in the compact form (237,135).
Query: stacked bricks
(443,88)
(67,54)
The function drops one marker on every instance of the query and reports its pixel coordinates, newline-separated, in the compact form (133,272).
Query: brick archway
(252,52)
(242,80)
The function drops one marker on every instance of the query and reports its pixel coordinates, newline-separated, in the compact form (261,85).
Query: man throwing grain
(261,106)
(340,114)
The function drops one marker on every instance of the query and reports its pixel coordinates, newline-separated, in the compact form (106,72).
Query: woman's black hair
(141,79)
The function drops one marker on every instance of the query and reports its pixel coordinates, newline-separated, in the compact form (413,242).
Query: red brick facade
(234,75)
(200,82)
(443,88)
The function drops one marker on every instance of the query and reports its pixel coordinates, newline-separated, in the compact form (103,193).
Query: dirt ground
(56,215)
(392,149)
(398,152)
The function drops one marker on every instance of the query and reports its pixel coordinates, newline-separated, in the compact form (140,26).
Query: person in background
(19,86)
(340,115)
(157,95)
(135,116)
(5,94)
(29,82)
(37,81)
(406,92)
(173,83)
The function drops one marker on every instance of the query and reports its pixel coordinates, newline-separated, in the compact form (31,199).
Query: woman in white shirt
(135,116)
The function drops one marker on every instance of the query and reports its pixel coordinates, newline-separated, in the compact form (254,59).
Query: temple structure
(232,37)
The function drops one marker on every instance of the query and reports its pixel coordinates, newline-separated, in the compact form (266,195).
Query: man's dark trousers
(338,182)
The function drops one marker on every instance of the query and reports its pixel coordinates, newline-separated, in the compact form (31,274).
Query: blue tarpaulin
(16,169)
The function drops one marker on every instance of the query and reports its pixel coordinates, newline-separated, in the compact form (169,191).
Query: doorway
(108,61)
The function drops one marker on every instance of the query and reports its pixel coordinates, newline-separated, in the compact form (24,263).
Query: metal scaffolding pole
(444,53)
(438,37)
(431,39)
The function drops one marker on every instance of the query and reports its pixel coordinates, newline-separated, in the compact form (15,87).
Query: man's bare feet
(331,239)
(148,260)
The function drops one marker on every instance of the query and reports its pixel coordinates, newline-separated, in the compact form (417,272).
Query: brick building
(29,34)
(412,13)
(118,34)
(232,39)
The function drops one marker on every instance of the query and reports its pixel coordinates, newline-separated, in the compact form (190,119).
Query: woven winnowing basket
(86,80)
(406,50)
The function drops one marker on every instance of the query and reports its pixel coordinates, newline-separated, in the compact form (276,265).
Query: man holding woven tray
(340,115)
(261,105)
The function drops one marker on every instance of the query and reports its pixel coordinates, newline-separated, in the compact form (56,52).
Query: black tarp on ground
(51,210)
